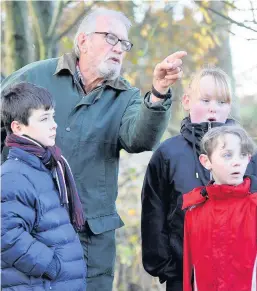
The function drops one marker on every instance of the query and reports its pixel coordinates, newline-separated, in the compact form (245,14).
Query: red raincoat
(220,238)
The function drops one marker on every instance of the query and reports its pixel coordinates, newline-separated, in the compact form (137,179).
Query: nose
(117,48)
(213,106)
(54,125)
(236,162)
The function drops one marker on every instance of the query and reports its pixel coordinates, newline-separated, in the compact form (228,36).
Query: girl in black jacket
(174,169)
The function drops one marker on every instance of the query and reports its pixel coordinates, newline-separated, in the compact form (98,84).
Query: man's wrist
(161,95)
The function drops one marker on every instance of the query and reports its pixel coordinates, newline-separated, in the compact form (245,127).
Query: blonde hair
(221,79)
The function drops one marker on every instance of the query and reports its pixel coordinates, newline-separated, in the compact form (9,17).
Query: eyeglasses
(112,39)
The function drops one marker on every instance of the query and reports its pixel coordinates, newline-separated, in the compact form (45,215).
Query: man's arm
(156,251)
(144,123)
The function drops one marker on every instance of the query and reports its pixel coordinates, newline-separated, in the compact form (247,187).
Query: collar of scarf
(52,157)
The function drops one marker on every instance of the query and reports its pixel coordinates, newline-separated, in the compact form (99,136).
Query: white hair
(88,24)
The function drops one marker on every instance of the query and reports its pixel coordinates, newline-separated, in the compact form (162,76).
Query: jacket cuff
(161,105)
(53,269)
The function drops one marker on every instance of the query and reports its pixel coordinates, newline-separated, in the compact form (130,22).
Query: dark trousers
(174,285)
(99,253)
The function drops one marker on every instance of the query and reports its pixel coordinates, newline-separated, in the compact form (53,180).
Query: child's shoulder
(15,170)
(173,146)
(14,166)
(16,180)
(19,173)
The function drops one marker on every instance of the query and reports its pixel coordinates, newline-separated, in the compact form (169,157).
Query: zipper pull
(209,125)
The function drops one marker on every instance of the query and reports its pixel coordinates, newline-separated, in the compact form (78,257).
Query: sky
(244,51)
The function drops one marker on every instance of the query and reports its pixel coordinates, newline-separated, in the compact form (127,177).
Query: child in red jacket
(220,233)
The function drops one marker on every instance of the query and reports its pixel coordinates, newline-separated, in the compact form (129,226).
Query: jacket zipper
(209,127)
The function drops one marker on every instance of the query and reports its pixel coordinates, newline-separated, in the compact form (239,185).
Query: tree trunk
(16,37)
(42,12)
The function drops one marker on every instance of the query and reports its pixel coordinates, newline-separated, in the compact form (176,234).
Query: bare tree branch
(252,9)
(75,22)
(231,32)
(239,9)
(226,17)
(55,19)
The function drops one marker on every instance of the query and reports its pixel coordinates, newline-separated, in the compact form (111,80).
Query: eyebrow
(117,35)
(47,113)
(220,97)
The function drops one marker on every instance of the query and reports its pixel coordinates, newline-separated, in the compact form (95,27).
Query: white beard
(109,71)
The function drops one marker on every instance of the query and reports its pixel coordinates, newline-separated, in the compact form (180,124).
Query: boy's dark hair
(17,102)
(210,139)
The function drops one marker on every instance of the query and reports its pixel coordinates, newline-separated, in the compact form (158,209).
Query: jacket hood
(193,133)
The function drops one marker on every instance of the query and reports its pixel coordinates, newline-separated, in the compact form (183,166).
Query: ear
(17,127)
(204,160)
(82,42)
(186,102)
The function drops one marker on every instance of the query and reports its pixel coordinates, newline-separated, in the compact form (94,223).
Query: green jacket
(93,128)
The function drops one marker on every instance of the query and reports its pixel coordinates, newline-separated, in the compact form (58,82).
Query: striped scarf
(52,157)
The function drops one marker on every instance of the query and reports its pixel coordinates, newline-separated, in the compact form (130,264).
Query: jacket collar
(193,132)
(221,192)
(29,159)
(67,62)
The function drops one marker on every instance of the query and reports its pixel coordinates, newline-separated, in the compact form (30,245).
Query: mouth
(212,119)
(115,60)
(236,174)
(52,136)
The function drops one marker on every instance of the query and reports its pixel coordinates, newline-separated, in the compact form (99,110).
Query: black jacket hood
(193,133)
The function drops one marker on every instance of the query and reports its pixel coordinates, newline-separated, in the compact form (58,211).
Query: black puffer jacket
(173,170)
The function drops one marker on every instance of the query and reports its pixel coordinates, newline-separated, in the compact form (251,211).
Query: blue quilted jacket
(40,249)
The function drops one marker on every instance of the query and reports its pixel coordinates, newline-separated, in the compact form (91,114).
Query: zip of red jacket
(220,238)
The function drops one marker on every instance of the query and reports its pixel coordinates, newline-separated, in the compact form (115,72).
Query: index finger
(176,55)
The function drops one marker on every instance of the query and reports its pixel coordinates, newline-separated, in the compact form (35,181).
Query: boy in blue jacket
(40,249)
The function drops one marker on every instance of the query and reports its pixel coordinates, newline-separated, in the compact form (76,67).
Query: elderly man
(99,113)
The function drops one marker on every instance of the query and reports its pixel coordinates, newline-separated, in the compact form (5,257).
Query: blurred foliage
(202,28)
